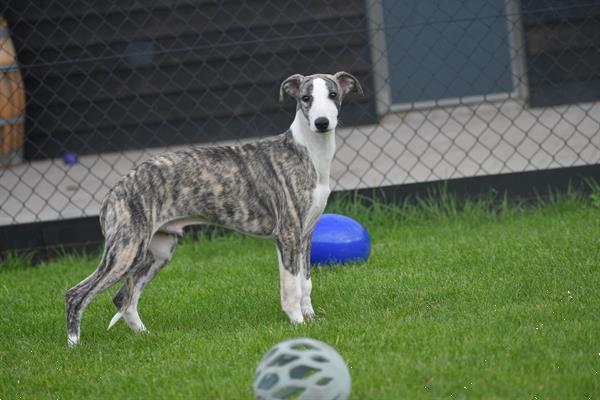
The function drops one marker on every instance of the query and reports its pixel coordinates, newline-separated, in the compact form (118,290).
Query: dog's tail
(115,319)
(119,313)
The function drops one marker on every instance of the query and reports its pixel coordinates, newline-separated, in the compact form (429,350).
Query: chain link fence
(453,88)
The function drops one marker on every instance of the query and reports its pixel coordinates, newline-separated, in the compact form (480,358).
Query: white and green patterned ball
(302,369)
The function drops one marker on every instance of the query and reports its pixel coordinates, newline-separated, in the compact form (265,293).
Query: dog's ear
(291,86)
(348,83)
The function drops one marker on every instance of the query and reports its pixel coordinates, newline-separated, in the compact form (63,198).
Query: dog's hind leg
(126,299)
(120,255)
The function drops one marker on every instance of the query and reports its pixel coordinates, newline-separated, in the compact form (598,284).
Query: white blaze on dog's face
(319,97)
(320,104)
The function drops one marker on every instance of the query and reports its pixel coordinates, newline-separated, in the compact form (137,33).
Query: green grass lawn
(455,302)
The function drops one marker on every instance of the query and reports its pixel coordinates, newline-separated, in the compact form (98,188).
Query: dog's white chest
(321,191)
(319,201)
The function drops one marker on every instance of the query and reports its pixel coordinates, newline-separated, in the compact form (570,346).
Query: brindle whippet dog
(274,188)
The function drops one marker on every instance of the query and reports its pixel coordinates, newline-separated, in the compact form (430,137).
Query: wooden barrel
(12,102)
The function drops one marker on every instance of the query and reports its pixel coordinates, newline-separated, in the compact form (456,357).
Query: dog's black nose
(322,124)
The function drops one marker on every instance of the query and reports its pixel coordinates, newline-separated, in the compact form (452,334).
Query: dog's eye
(306,99)
(332,95)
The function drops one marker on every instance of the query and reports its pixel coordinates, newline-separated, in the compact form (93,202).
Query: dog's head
(319,97)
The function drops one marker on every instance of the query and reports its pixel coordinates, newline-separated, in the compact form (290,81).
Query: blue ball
(338,239)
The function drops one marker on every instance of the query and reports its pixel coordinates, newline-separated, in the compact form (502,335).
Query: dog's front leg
(291,256)
(305,282)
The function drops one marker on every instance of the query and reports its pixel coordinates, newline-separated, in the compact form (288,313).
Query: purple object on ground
(338,239)
(70,158)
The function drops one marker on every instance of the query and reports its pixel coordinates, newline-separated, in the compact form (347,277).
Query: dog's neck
(320,146)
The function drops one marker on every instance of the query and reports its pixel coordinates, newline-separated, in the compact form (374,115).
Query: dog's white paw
(141,329)
(307,309)
(295,316)
(72,340)
(309,314)
(133,320)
